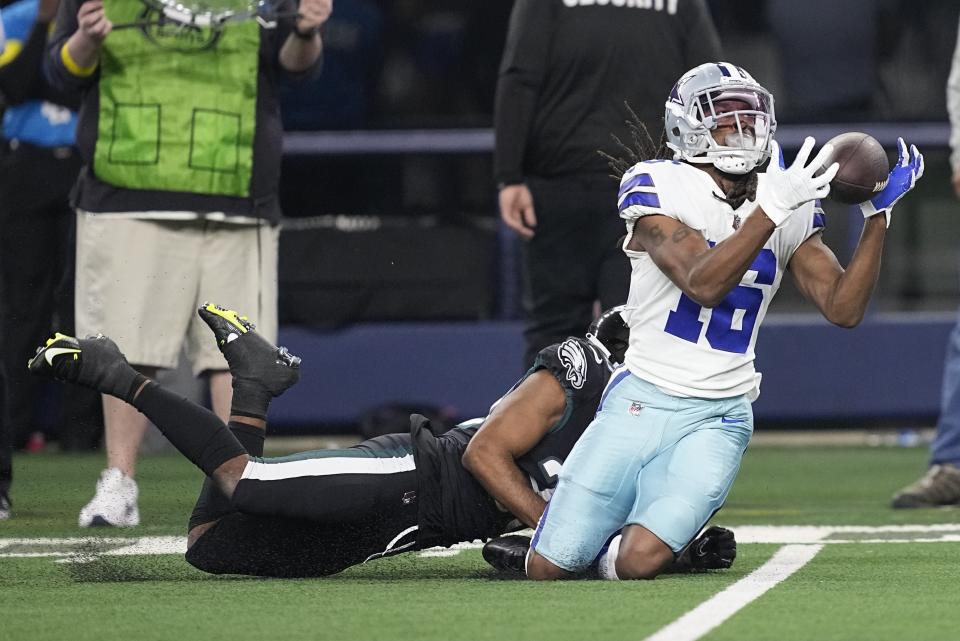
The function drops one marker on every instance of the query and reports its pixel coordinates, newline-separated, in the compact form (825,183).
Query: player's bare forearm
(704,274)
(298,54)
(497,472)
(855,286)
(841,295)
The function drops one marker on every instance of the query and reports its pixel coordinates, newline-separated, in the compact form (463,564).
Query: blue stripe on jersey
(640,180)
(723,69)
(819,221)
(641,198)
(613,382)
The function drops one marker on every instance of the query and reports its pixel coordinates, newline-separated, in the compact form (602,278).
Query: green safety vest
(177,105)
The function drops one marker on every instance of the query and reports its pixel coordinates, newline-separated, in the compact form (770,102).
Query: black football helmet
(610,334)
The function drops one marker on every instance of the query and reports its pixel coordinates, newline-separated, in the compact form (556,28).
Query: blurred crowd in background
(433,63)
(409,64)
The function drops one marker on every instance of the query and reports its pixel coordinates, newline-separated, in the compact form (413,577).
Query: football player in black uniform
(317,513)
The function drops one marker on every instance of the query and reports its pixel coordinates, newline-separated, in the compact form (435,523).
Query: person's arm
(21,74)
(303,46)
(841,295)
(707,274)
(953,108)
(515,425)
(73,51)
(703,273)
(522,69)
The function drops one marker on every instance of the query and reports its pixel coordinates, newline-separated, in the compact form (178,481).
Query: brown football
(863,167)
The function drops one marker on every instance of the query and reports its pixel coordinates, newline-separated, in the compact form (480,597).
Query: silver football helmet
(692,114)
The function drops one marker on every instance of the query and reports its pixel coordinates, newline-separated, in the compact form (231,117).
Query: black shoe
(938,487)
(95,362)
(250,356)
(507,553)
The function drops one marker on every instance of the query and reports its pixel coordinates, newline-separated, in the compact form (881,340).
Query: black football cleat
(95,362)
(250,356)
(507,553)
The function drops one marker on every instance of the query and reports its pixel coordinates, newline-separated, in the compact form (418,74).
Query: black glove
(715,549)
(507,553)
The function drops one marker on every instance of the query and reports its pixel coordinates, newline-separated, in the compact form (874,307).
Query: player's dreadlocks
(644,148)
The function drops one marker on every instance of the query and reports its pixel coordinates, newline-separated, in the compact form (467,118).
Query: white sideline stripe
(714,611)
(770,534)
(87,546)
(817,534)
(327,466)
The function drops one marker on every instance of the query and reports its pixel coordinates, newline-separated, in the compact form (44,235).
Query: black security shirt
(569,65)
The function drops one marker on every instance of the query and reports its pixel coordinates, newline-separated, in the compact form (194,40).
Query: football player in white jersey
(709,238)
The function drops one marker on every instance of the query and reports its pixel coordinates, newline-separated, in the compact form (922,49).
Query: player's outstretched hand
(901,180)
(783,190)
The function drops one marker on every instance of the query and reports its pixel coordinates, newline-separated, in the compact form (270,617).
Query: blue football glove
(902,178)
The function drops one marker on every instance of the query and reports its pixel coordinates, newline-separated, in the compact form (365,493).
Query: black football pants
(316,513)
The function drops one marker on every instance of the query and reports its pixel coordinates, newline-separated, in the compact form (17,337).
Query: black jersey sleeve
(581,370)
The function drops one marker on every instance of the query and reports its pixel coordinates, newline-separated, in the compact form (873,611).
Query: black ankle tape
(250,399)
(250,437)
(236,411)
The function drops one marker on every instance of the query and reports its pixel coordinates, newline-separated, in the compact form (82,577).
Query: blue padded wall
(888,368)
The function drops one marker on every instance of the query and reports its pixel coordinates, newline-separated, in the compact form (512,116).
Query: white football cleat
(4,506)
(115,503)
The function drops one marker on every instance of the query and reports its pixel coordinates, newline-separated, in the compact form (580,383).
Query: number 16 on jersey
(733,321)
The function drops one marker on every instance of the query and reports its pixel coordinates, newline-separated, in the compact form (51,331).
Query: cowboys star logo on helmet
(573,358)
(693,111)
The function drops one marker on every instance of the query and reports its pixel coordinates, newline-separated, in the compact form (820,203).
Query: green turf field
(884,580)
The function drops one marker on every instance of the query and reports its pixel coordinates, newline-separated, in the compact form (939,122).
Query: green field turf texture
(849,591)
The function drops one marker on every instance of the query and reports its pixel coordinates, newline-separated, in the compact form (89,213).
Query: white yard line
(87,546)
(714,611)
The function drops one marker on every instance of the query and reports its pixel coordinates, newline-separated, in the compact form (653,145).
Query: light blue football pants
(660,461)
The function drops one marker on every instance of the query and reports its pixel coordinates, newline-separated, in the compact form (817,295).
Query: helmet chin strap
(593,340)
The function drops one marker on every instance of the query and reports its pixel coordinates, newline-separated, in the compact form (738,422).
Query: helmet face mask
(610,335)
(720,97)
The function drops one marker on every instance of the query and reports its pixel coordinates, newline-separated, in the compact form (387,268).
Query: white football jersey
(679,346)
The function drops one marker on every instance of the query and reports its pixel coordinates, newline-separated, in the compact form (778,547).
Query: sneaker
(250,356)
(507,553)
(114,504)
(94,362)
(939,486)
(5,508)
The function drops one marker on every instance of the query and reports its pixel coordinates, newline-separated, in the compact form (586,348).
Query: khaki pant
(140,283)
